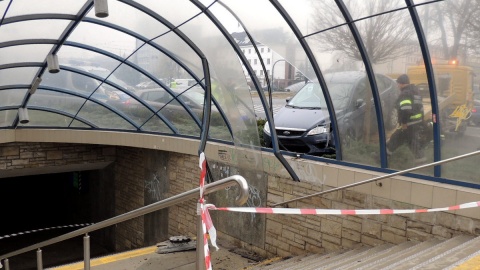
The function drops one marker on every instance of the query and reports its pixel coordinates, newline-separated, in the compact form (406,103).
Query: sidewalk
(226,258)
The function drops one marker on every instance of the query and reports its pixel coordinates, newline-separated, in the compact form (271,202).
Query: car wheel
(392,119)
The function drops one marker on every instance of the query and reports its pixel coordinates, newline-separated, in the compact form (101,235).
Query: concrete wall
(279,234)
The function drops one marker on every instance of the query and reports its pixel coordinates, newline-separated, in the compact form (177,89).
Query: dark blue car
(303,124)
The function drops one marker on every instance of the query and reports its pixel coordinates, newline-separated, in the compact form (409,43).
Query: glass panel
(78,124)
(24,53)
(55,100)
(228,83)
(136,22)
(12,97)
(24,7)
(40,118)
(304,12)
(169,10)
(105,38)
(176,114)
(129,106)
(180,50)
(43,29)
(7,117)
(388,49)
(73,56)
(103,118)
(22,75)
(155,124)
(361,9)
(75,82)
(351,95)
(451,28)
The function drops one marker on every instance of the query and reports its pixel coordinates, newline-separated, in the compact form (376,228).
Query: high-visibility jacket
(410,106)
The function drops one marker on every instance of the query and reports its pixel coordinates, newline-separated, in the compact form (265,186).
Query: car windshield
(311,96)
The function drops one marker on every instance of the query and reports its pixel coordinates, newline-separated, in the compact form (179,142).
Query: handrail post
(7,264)
(39,260)
(86,252)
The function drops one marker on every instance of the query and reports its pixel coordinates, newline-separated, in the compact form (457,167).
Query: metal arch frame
(82,18)
(252,75)
(90,98)
(317,71)
(75,94)
(437,170)
(371,77)
(44,109)
(74,22)
(144,72)
(37,108)
(126,31)
(64,91)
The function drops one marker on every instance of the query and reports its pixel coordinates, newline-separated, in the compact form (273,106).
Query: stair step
(403,254)
(427,254)
(367,262)
(451,256)
(287,262)
(333,256)
(339,264)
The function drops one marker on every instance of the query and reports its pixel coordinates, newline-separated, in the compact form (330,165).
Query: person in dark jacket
(410,119)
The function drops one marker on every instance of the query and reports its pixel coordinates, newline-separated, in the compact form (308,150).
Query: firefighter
(410,118)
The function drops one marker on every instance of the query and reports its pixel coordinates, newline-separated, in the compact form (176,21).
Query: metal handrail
(241,199)
(380,177)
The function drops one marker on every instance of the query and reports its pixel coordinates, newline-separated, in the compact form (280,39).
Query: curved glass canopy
(199,68)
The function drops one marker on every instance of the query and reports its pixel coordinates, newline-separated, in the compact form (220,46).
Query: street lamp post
(272,84)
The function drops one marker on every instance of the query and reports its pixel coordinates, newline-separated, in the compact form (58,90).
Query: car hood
(288,117)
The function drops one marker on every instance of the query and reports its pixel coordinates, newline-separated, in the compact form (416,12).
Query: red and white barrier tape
(299,211)
(207,224)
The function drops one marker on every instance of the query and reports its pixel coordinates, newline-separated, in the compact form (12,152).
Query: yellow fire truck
(454,85)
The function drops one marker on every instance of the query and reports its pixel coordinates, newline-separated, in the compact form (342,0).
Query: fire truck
(454,85)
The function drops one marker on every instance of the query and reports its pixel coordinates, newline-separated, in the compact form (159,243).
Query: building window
(261,50)
(261,72)
(268,61)
(250,61)
(243,51)
(268,50)
(249,51)
(254,61)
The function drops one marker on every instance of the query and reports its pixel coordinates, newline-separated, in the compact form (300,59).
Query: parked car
(303,124)
(148,85)
(158,99)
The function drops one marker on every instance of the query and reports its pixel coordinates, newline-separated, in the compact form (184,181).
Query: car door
(358,104)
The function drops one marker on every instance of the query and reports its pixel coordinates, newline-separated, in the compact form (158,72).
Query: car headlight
(266,128)
(318,130)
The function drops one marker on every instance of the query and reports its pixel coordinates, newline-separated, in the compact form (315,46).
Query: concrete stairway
(431,254)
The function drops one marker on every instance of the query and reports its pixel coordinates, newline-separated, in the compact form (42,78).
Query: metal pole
(272,85)
(200,244)
(39,260)
(7,264)
(86,252)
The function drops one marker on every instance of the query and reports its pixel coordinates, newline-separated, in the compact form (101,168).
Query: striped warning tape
(299,211)
(45,229)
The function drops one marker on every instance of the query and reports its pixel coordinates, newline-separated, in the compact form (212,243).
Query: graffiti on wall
(153,187)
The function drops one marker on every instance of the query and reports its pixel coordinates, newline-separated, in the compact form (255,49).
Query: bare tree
(385,37)
(454,27)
